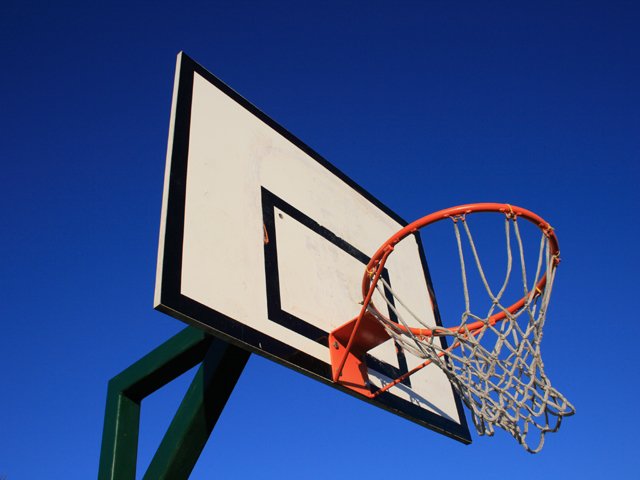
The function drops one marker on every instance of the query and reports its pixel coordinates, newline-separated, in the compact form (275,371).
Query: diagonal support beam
(198,413)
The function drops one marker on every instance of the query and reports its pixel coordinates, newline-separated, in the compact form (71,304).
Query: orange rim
(379,258)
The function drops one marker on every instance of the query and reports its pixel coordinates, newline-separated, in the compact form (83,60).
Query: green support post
(119,436)
(201,407)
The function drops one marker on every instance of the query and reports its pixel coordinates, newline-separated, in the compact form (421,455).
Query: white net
(494,360)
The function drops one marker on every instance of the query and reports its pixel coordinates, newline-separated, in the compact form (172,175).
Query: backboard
(263,243)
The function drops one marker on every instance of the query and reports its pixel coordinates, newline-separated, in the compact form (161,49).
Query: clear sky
(425,104)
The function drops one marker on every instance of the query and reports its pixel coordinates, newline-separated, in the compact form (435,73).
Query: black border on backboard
(275,312)
(172,302)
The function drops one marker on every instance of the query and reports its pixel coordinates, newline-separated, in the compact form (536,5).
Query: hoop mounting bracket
(354,372)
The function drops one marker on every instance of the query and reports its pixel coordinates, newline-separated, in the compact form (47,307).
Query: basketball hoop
(494,360)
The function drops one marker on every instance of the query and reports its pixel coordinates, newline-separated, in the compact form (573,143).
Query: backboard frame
(170,300)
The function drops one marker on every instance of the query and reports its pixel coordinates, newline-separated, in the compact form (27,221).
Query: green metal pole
(120,436)
(196,416)
(198,413)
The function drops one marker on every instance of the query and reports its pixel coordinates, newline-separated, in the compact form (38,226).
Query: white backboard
(264,243)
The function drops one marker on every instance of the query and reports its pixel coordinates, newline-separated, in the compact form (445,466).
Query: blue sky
(425,104)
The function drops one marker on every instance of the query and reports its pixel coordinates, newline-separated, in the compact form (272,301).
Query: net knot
(456,218)
(547,229)
(510,214)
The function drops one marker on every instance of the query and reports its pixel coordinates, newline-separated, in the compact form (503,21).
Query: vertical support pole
(120,435)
